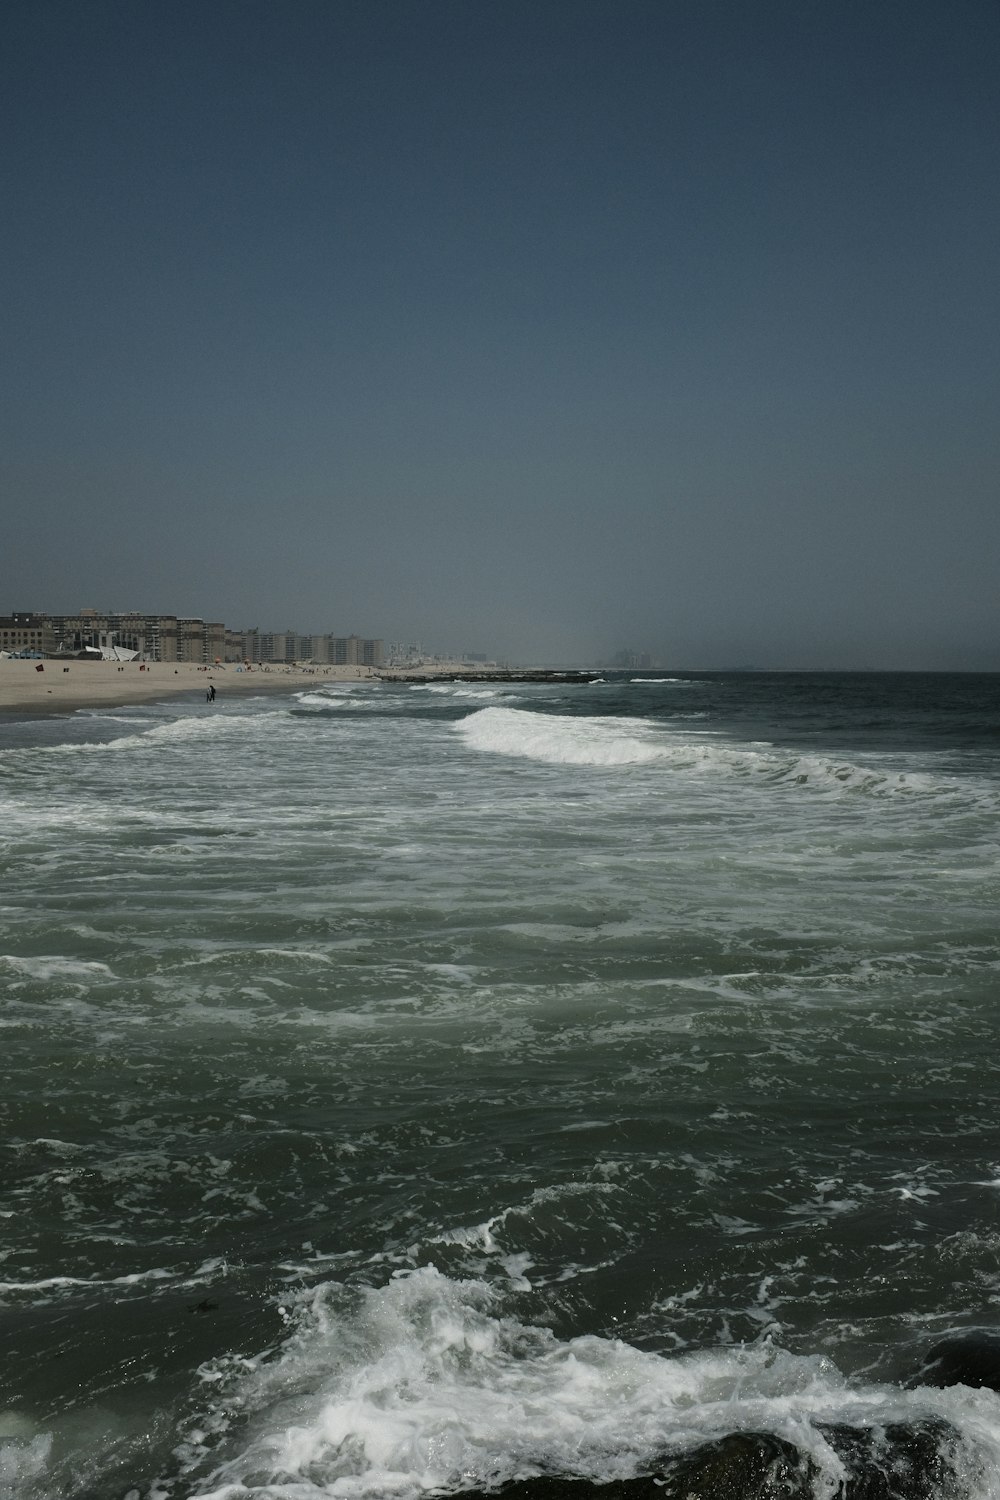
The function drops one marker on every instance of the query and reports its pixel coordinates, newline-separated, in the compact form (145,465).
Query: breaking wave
(180,731)
(457,690)
(327,701)
(429,1384)
(562,741)
(609,741)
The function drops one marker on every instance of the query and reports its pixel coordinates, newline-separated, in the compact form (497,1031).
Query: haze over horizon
(540,329)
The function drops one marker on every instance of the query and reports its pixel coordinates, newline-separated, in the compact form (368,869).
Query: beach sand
(62,687)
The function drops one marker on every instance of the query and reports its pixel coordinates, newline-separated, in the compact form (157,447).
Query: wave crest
(426,1384)
(559,740)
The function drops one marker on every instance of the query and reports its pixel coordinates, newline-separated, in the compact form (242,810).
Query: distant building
(404,654)
(163,638)
(633,661)
(214,641)
(352,651)
(288,646)
(178,638)
(26,631)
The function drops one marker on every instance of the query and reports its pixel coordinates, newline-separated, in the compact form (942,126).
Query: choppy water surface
(417,1087)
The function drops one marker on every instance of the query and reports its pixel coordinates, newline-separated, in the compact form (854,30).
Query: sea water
(414,1087)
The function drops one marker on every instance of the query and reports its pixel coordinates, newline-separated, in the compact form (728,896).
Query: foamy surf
(149,735)
(432,1385)
(679,1070)
(458,690)
(329,701)
(562,741)
(556,739)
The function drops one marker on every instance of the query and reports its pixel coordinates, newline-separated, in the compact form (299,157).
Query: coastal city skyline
(549,327)
(178,638)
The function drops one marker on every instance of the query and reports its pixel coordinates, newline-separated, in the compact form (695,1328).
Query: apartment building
(354,651)
(289,646)
(163,638)
(179,638)
(26,631)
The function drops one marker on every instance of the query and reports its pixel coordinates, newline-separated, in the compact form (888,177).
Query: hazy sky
(538,327)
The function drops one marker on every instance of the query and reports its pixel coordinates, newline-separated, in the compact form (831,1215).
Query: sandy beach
(63,687)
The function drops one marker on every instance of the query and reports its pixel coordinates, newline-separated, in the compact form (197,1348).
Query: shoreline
(62,688)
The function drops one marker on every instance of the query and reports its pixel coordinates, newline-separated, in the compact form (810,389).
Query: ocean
(419,1088)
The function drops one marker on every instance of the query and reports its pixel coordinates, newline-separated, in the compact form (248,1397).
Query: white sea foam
(111,718)
(192,728)
(330,700)
(427,1384)
(39,1291)
(23,1461)
(53,967)
(559,740)
(325,700)
(458,690)
(617,741)
(482,1236)
(182,731)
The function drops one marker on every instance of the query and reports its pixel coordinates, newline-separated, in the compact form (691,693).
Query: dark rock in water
(556,1487)
(895,1462)
(888,1463)
(969,1359)
(743,1466)
(204,1306)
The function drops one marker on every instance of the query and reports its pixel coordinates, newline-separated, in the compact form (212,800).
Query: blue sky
(534,328)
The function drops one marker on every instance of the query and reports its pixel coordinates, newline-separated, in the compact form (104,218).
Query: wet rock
(894,1463)
(743,1466)
(968,1359)
(204,1306)
(888,1463)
